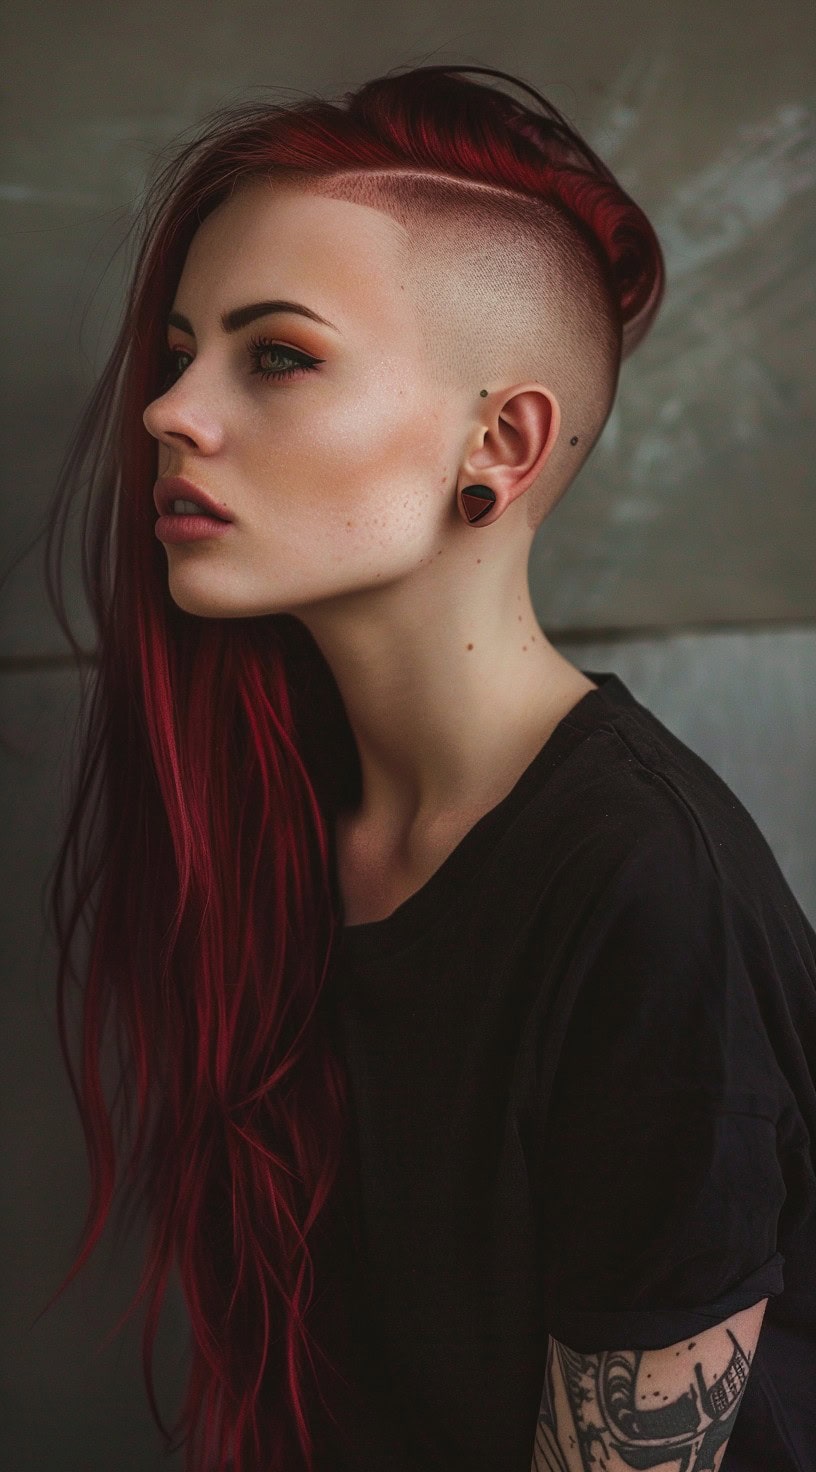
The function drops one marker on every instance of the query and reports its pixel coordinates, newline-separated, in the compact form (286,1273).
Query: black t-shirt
(582,1062)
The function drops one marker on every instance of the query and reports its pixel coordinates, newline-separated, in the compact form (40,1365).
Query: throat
(378,870)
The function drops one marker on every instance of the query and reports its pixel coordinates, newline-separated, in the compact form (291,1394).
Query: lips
(170,488)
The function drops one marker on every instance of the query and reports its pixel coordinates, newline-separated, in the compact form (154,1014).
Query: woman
(465,1006)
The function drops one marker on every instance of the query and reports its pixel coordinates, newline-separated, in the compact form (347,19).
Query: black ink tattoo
(606,1404)
(548,1456)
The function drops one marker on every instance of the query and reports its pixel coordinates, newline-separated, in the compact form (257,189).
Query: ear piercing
(477,501)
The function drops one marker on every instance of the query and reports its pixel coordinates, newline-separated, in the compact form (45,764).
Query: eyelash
(257,347)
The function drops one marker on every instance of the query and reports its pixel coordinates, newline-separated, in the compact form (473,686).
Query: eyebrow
(241,316)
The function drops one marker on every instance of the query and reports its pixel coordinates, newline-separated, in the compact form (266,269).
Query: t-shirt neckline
(382,938)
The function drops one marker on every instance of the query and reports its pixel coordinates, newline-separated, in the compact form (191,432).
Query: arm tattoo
(614,1426)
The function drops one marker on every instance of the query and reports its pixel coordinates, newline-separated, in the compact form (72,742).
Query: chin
(201,607)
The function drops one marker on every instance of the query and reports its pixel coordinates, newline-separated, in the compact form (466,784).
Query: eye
(258,349)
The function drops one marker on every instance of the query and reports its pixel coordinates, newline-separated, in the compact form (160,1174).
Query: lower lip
(189,528)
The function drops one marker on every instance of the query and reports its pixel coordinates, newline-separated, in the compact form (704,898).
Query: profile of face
(327,445)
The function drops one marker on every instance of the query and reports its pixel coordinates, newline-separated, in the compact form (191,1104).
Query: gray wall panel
(697,507)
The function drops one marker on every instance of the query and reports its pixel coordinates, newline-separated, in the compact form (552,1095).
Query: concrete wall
(682,558)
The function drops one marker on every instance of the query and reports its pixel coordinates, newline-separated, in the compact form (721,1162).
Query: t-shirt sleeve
(664,1165)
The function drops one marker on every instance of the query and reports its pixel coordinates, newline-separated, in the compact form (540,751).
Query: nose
(171,424)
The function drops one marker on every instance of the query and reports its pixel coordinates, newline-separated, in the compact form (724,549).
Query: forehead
(342,258)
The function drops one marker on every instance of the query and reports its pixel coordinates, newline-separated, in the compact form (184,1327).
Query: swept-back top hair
(215,754)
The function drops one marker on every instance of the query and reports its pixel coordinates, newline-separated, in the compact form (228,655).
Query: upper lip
(170,488)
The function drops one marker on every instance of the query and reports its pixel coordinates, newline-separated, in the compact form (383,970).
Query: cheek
(377,451)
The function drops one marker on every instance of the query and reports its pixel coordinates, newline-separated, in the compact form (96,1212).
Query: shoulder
(653,812)
(676,942)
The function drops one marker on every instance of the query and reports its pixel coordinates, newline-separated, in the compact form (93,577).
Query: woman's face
(338,477)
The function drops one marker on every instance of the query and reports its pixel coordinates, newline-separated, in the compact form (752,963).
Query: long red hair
(213,758)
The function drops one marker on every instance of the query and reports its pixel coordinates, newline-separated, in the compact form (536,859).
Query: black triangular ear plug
(477,501)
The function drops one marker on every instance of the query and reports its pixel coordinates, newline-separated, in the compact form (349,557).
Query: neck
(443,722)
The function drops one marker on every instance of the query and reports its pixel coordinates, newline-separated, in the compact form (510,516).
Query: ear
(517,432)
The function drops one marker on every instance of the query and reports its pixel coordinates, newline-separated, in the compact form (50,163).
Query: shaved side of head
(506,286)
